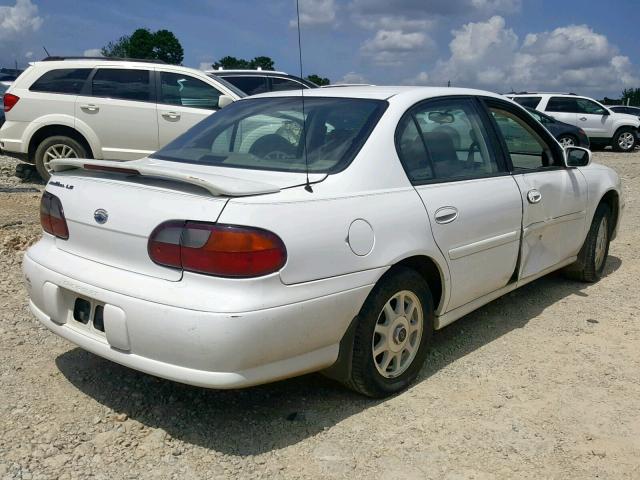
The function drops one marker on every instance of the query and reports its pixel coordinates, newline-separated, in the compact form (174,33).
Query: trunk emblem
(101,216)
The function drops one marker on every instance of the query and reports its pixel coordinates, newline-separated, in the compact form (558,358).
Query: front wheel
(392,335)
(595,250)
(53,148)
(624,140)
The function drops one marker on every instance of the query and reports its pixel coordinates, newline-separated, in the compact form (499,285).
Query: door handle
(89,107)
(584,119)
(534,196)
(446,215)
(171,115)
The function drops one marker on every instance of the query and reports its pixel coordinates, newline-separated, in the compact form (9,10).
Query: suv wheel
(56,147)
(393,333)
(624,140)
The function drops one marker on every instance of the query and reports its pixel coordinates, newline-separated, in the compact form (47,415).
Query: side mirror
(577,157)
(224,100)
(606,112)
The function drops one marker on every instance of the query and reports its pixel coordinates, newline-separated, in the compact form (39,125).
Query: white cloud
(421,78)
(573,58)
(393,47)
(92,52)
(315,12)
(352,77)
(19,20)
(28,54)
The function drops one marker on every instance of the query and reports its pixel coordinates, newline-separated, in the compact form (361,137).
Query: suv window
(66,80)
(444,140)
(249,85)
(281,84)
(589,107)
(187,91)
(562,105)
(125,84)
(531,102)
(528,151)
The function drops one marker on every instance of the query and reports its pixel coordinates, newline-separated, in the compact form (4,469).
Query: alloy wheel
(626,140)
(58,150)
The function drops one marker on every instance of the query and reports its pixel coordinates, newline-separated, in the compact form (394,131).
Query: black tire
(586,267)
(365,377)
(567,140)
(630,145)
(76,147)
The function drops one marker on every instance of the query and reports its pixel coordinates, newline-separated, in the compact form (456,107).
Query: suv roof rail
(112,59)
(542,93)
(244,70)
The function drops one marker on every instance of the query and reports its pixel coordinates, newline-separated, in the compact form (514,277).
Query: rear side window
(589,107)
(270,134)
(66,80)
(562,105)
(249,85)
(531,102)
(187,91)
(129,84)
(444,140)
(280,84)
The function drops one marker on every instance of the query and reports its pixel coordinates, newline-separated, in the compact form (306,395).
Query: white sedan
(280,237)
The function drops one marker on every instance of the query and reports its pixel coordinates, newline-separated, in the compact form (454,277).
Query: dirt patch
(542,383)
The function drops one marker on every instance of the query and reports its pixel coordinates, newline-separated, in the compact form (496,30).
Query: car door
(473,204)
(183,101)
(554,198)
(118,105)
(563,109)
(593,118)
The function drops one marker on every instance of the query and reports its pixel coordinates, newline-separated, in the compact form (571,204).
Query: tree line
(163,45)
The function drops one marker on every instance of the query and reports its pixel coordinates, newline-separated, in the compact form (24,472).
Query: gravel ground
(542,383)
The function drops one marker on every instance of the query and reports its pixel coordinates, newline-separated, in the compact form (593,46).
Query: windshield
(268,133)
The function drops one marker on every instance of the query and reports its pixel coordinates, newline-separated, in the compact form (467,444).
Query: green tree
(318,80)
(233,63)
(632,95)
(144,44)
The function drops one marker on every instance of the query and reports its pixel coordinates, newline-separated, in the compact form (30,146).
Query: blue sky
(583,46)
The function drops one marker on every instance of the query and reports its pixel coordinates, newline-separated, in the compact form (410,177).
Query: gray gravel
(542,383)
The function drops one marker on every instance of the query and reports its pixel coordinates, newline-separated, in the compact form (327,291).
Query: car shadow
(270,417)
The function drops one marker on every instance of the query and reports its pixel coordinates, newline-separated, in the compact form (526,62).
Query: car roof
(238,71)
(381,92)
(92,62)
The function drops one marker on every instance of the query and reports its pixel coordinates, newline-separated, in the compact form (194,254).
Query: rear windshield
(531,102)
(268,134)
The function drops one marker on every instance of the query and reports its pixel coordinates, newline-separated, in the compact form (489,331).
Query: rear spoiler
(214,183)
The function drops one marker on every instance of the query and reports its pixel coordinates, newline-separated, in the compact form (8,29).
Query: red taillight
(9,100)
(52,216)
(215,249)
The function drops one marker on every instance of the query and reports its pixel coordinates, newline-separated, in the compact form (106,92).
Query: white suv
(603,126)
(104,108)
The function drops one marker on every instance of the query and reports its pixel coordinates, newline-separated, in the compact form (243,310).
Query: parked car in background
(603,126)
(626,109)
(253,82)
(255,248)
(104,108)
(567,135)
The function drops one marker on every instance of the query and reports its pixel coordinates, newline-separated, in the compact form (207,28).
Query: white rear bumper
(208,349)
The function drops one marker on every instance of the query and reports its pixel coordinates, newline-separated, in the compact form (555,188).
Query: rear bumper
(11,139)
(208,349)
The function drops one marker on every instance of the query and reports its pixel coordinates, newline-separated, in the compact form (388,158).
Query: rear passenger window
(66,80)
(530,102)
(528,151)
(123,84)
(186,91)
(445,140)
(249,85)
(562,105)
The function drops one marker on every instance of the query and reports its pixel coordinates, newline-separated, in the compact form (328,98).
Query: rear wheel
(624,140)
(567,140)
(53,148)
(394,330)
(593,254)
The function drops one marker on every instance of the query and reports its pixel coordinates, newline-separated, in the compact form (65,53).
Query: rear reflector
(216,249)
(52,216)
(9,100)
